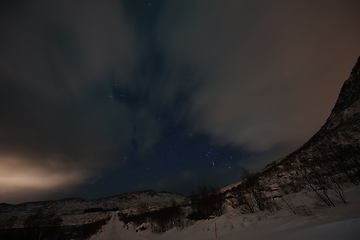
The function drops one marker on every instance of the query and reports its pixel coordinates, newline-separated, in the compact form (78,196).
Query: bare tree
(206,201)
(254,187)
(245,202)
(338,188)
(42,225)
(42,220)
(317,184)
(289,204)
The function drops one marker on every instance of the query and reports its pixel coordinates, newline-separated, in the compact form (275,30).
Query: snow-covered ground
(113,230)
(341,222)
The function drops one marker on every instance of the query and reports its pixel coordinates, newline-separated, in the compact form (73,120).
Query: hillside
(333,150)
(124,202)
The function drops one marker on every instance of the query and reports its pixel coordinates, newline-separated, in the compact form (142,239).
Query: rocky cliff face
(334,149)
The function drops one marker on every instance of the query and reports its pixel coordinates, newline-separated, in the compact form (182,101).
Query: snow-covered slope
(342,222)
(115,231)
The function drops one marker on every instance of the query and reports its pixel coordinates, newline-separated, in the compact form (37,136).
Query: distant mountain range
(124,202)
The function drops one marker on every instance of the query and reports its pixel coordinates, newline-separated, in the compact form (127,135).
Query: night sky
(99,98)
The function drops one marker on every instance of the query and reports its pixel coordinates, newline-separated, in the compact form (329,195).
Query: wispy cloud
(273,69)
(58,61)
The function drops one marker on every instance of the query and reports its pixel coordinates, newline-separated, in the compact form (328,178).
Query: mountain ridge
(67,206)
(335,144)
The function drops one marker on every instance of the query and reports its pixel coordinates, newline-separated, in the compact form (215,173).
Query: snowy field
(341,222)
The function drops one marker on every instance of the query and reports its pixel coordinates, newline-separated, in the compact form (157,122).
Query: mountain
(333,151)
(70,206)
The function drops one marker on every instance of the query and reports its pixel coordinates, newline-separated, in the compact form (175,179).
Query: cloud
(59,125)
(187,180)
(273,70)
(259,160)
(181,183)
(24,180)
